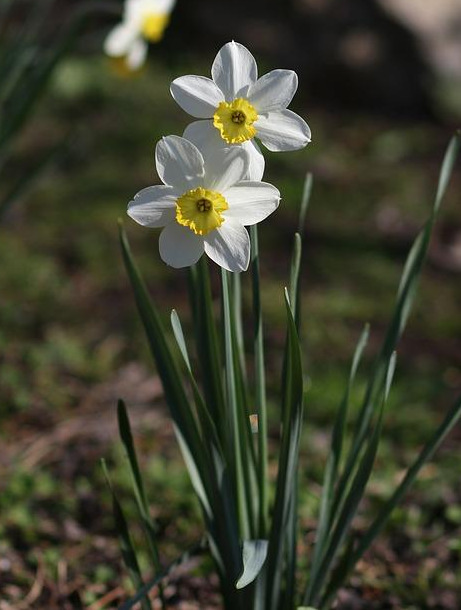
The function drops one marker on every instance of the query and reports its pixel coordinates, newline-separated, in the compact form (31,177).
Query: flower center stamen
(201,210)
(234,120)
(204,205)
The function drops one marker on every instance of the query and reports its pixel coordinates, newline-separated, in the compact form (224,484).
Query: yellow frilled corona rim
(201,210)
(153,26)
(235,120)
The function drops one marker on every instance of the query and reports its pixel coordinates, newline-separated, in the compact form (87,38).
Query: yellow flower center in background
(200,210)
(153,25)
(235,120)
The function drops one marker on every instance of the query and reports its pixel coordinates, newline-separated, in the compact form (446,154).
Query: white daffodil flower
(203,205)
(239,107)
(143,21)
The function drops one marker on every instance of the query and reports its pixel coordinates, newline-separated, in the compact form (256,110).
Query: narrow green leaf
(138,489)
(185,557)
(405,296)
(332,466)
(260,387)
(254,555)
(235,417)
(305,200)
(126,544)
(293,396)
(353,498)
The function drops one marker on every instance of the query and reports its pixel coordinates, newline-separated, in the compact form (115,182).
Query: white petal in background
(282,130)
(179,163)
(179,246)
(225,167)
(119,40)
(154,206)
(273,91)
(197,95)
(234,70)
(137,54)
(229,246)
(251,202)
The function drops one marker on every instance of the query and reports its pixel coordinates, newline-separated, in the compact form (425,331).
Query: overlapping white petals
(207,139)
(179,246)
(273,91)
(179,163)
(224,168)
(197,95)
(182,167)
(251,202)
(235,75)
(234,70)
(283,130)
(154,206)
(229,246)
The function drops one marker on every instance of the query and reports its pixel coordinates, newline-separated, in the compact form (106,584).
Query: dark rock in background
(348,53)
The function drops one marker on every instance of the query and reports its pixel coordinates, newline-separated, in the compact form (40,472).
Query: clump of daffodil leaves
(212,190)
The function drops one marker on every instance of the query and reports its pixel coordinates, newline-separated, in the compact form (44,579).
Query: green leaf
(138,489)
(128,551)
(405,296)
(293,397)
(332,466)
(185,557)
(260,387)
(254,555)
(305,200)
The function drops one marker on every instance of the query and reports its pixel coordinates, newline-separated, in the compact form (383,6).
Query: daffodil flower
(238,107)
(143,21)
(203,205)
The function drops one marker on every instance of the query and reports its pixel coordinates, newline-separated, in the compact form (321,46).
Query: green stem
(260,381)
(232,415)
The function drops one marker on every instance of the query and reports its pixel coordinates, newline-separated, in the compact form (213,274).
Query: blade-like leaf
(126,544)
(138,489)
(254,555)
(185,557)
(293,398)
(405,296)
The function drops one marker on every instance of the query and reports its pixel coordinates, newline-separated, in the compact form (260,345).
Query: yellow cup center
(201,210)
(234,120)
(153,26)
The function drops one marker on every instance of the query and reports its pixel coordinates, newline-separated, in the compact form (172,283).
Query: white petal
(234,70)
(179,246)
(251,202)
(229,246)
(197,95)
(208,140)
(137,54)
(273,91)
(154,206)
(224,167)
(179,163)
(205,137)
(257,163)
(282,130)
(119,40)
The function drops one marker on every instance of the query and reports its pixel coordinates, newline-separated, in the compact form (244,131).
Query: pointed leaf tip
(254,555)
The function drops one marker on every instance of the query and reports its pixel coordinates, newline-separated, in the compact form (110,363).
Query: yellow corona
(200,210)
(235,120)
